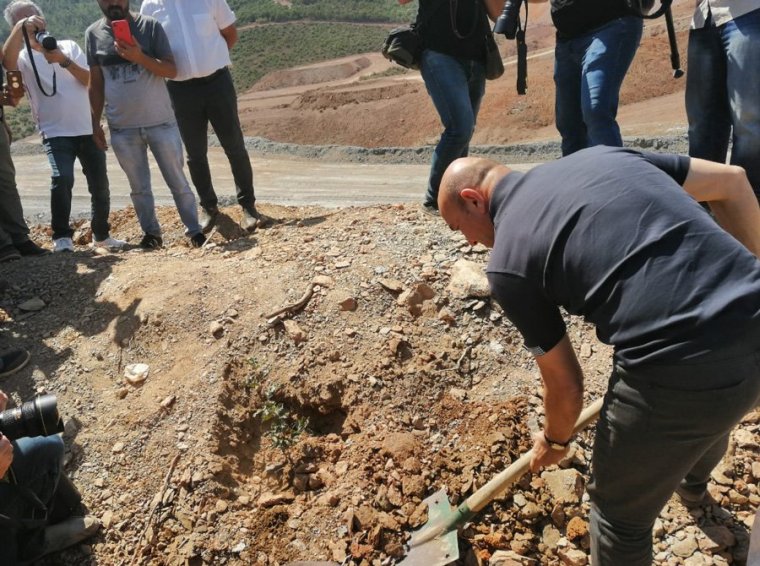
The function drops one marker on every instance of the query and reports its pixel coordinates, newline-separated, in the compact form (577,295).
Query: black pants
(661,426)
(196,103)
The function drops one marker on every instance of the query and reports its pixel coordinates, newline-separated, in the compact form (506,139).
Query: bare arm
(563,400)
(97,102)
(164,68)
(728,192)
(494,8)
(230,35)
(13,46)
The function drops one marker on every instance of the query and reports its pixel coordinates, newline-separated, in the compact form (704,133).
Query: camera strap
(30,51)
(522,54)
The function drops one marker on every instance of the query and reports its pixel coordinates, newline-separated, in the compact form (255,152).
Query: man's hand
(3,400)
(6,455)
(543,454)
(53,56)
(132,52)
(99,137)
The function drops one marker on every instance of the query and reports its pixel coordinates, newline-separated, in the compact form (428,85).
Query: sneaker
(29,248)
(691,498)
(151,242)
(68,533)
(9,253)
(13,361)
(207,218)
(63,245)
(251,219)
(198,240)
(430,208)
(109,243)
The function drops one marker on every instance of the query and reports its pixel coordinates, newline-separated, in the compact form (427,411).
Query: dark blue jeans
(61,152)
(456,87)
(662,426)
(37,465)
(196,104)
(723,93)
(588,73)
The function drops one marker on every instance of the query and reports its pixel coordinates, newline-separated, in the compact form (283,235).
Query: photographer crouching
(37,500)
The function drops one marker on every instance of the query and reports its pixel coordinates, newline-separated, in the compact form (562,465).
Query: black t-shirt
(454,27)
(573,18)
(609,234)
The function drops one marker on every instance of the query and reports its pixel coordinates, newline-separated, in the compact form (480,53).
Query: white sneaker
(109,243)
(63,245)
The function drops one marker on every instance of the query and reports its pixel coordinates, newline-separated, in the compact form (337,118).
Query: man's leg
(131,150)
(670,434)
(13,228)
(741,38)
(221,106)
(61,152)
(447,80)
(93,161)
(707,106)
(192,119)
(166,145)
(567,95)
(605,63)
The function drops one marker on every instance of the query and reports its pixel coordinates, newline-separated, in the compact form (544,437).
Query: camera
(38,417)
(509,19)
(47,41)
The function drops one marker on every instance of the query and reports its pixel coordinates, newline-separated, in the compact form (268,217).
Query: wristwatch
(558,446)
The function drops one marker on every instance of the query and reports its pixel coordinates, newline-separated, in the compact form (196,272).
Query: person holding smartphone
(61,109)
(127,80)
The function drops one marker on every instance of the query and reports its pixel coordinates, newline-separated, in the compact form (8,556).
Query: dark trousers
(198,102)
(13,228)
(662,426)
(61,152)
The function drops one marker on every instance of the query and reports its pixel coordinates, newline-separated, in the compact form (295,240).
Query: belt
(203,80)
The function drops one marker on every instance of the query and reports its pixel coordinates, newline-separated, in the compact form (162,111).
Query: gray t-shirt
(134,97)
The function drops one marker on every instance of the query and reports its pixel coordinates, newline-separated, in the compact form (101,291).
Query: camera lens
(47,41)
(38,417)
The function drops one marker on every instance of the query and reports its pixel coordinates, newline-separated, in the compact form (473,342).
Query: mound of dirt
(314,434)
(312,74)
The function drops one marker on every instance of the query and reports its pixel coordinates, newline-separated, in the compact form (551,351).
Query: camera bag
(494,64)
(403,46)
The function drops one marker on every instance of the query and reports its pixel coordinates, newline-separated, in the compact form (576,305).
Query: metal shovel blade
(444,548)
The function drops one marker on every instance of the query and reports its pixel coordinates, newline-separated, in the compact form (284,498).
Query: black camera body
(509,19)
(47,41)
(38,417)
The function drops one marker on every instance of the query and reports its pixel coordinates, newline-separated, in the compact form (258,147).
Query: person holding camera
(129,58)
(56,81)
(595,45)
(36,499)
(617,236)
(723,84)
(453,35)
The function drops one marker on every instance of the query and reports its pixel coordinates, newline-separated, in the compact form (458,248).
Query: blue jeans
(456,87)
(37,465)
(723,92)
(61,152)
(196,103)
(131,148)
(588,73)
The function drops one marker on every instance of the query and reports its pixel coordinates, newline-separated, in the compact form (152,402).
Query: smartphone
(14,84)
(121,31)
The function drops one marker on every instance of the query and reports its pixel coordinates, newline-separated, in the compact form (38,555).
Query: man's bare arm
(728,192)
(97,102)
(230,35)
(563,400)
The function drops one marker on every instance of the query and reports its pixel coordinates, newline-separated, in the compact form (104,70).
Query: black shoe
(207,218)
(430,208)
(251,219)
(13,361)
(151,242)
(9,253)
(29,248)
(198,240)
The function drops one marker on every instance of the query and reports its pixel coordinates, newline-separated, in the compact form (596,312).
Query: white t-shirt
(66,114)
(723,11)
(193,28)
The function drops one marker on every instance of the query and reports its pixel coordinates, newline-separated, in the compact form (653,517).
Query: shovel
(435,543)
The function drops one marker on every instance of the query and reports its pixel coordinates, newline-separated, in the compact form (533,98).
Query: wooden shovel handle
(516,469)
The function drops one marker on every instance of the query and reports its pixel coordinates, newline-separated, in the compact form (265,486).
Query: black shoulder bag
(404,44)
